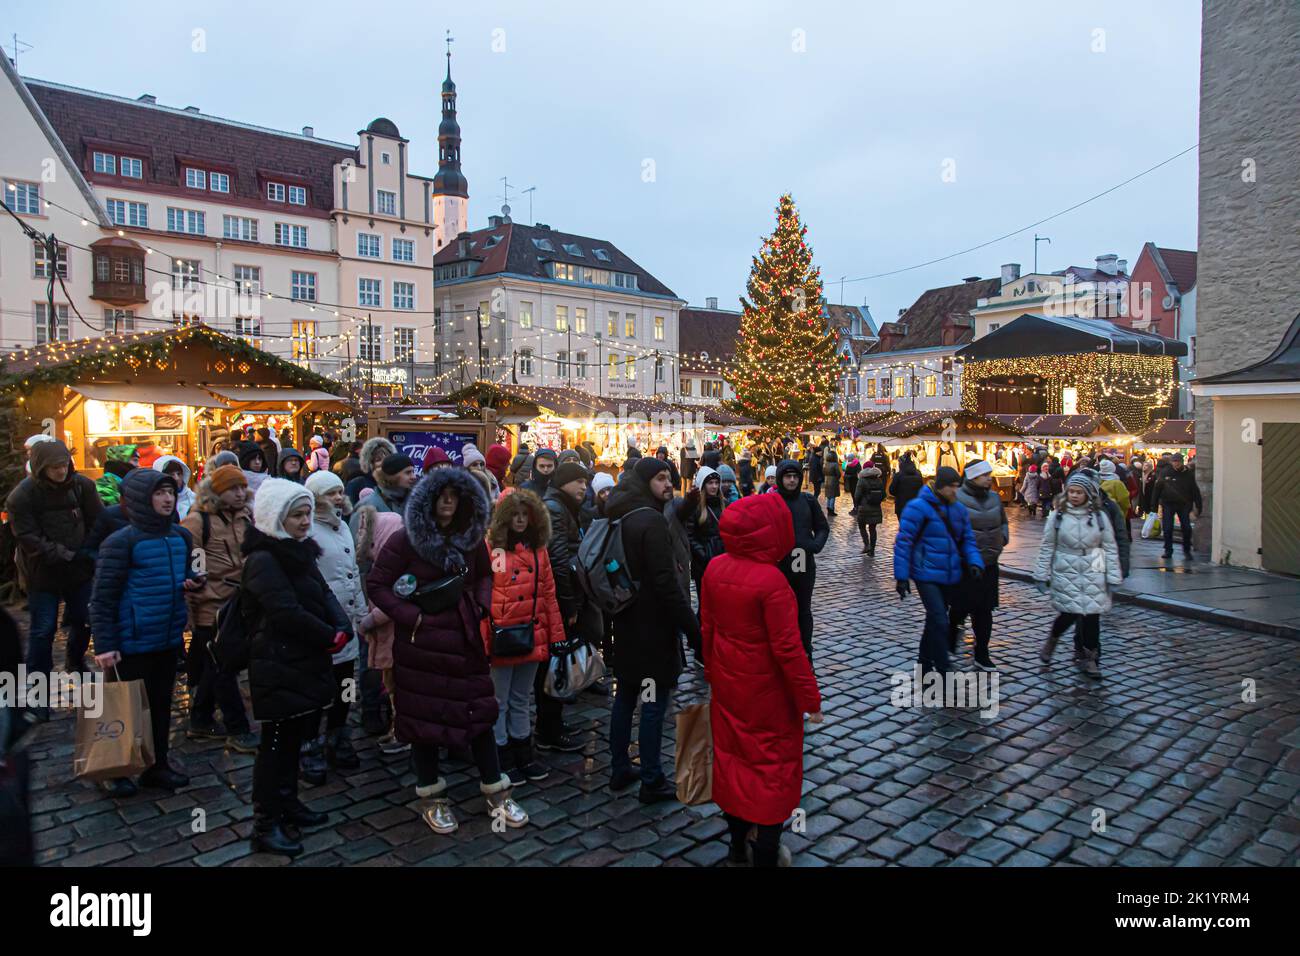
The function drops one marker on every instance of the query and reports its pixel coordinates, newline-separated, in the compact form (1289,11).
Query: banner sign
(416,445)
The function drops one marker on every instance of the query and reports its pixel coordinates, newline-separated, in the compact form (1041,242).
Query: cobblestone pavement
(1160,763)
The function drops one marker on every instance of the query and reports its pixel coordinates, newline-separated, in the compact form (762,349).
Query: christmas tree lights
(784,369)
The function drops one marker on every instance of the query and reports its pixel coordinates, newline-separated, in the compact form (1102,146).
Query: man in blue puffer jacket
(138,610)
(935,547)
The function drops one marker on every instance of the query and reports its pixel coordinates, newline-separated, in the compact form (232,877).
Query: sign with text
(416,445)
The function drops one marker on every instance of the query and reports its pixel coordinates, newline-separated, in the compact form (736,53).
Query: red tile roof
(516,252)
(1182,267)
(925,319)
(162,136)
(706,330)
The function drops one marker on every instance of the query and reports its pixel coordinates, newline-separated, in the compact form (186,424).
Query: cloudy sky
(906,131)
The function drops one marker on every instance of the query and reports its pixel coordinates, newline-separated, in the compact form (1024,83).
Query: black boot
(269,836)
(526,760)
(373,720)
(508,759)
(339,752)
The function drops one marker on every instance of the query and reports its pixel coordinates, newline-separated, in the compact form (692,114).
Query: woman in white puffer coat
(338,566)
(1078,562)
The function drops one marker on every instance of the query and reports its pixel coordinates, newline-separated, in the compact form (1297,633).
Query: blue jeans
(44,606)
(933,653)
(650,736)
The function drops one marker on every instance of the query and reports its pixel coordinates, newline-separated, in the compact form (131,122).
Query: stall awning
(155,394)
(272,399)
(1032,334)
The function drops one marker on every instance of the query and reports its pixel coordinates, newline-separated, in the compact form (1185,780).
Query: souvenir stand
(180,391)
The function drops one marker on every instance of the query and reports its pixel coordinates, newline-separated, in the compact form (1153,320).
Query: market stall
(414,431)
(180,391)
(951,437)
(1073,435)
(1169,435)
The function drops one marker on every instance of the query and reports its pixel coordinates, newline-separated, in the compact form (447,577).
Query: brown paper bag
(694,755)
(119,742)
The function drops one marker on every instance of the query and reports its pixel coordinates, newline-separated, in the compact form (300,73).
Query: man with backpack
(810,533)
(217,523)
(52,511)
(648,628)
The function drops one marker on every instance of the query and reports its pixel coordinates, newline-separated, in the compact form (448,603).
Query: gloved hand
(692,499)
(341,639)
(1042,586)
(974,572)
(904,588)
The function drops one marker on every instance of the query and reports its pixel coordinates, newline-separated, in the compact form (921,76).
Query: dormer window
(297,195)
(544,245)
(275,192)
(491,241)
(601,254)
(573,249)
(196,178)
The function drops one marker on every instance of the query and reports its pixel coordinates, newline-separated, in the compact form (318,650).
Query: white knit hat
(770,473)
(600,482)
(322,482)
(470,454)
(275,498)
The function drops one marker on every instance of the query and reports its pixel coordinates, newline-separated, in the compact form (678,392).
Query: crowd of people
(440,595)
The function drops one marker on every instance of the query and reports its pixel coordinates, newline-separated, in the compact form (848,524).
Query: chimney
(1123,267)
(900,312)
(308,131)
(494,221)
(711,302)
(191,109)
(462,244)
(1109,263)
(971,279)
(1010,272)
(147,98)
(541,225)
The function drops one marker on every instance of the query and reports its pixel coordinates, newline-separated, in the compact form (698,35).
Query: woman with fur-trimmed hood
(444,692)
(523,591)
(372,456)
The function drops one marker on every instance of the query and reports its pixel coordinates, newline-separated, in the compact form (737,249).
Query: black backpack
(230,646)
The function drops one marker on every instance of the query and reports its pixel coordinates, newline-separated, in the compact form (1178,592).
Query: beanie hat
(567,472)
(394,464)
(1107,468)
(247,452)
(545,453)
(276,497)
(647,468)
(434,456)
(946,476)
(223,458)
(977,468)
(769,473)
(227,477)
(315,440)
(600,481)
(470,454)
(1086,479)
(322,482)
(726,473)
(569,454)
(498,457)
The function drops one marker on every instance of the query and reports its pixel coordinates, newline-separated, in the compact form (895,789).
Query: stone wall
(1248,270)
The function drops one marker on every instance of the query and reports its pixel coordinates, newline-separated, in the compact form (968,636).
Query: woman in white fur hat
(294,624)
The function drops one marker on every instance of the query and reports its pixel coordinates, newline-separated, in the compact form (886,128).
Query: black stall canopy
(1032,334)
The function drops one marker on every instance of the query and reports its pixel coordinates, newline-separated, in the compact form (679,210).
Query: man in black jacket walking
(52,511)
(810,533)
(647,633)
(563,499)
(1176,493)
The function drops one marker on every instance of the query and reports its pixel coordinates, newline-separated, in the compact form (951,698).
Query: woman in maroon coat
(761,679)
(444,695)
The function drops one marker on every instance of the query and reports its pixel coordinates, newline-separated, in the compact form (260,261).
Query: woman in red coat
(761,679)
(443,686)
(523,590)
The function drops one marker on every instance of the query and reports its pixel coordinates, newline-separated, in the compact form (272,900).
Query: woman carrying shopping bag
(762,681)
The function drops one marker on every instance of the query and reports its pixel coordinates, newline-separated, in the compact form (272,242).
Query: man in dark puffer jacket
(564,496)
(810,533)
(52,511)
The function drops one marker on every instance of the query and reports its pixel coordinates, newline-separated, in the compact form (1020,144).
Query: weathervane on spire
(450,40)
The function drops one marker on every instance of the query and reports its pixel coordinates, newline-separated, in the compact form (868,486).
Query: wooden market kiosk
(178,391)
(413,431)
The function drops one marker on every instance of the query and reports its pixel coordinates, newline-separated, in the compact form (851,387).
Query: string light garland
(1103,382)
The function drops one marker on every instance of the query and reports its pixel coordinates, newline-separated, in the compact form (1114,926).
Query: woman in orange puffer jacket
(523,590)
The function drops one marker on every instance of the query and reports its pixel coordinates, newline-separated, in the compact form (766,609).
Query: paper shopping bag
(694,755)
(119,742)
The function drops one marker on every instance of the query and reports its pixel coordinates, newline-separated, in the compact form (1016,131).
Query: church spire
(449,181)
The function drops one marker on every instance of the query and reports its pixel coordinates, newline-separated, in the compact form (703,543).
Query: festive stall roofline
(67,362)
(1034,335)
(566,402)
(1063,426)
(1171,431)
(930,425)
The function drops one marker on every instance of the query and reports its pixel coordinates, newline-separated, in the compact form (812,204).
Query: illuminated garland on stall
(1129,387)
(784,370)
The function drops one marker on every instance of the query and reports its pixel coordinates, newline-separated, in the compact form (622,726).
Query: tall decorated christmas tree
(784,369)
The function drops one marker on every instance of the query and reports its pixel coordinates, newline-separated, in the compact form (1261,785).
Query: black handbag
(441,595)
(517,640)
